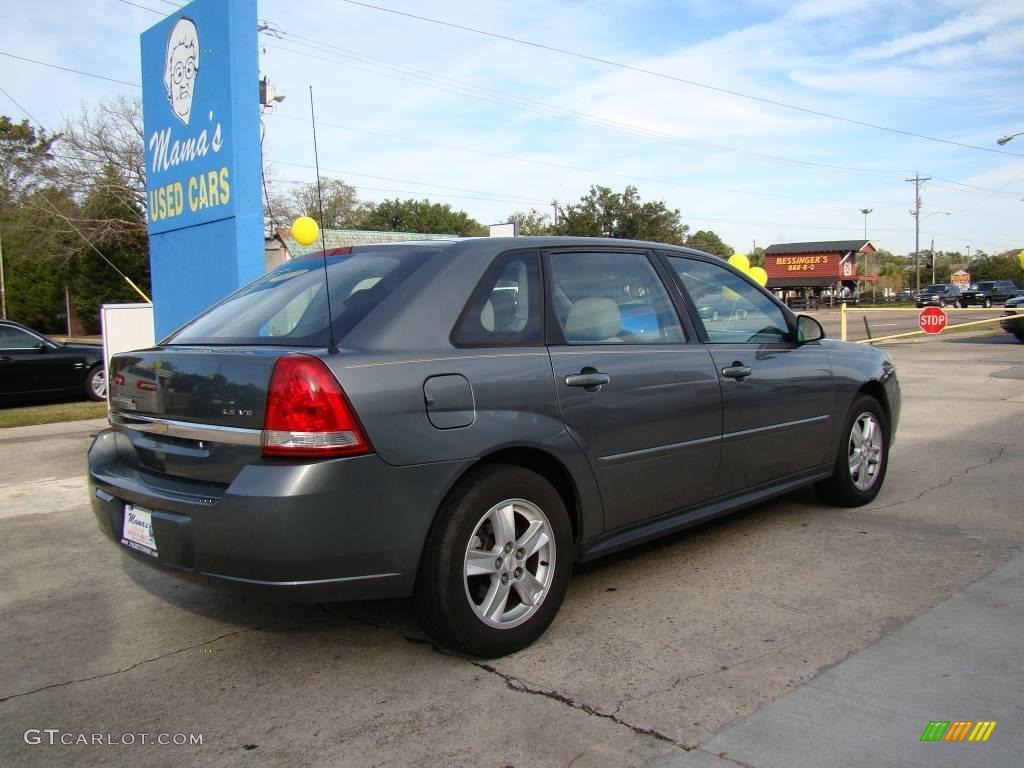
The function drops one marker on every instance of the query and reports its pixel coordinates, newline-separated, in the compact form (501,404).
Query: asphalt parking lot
(789,635)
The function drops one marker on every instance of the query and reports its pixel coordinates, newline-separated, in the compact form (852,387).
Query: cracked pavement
(689,651)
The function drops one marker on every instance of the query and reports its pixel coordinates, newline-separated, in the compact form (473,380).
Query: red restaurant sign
(809,264)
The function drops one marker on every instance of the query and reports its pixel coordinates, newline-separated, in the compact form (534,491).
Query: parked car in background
(939,295)
(985,293)
(1016,327)
(473,418)
(34,367)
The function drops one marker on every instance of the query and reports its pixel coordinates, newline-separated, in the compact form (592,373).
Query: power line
(90,244)
(511,198)
(684,81)
(143,7)
(452,85)
(562,166)
(19,106)
(69,69)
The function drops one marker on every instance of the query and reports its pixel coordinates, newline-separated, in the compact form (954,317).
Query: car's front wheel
(863,456)
(96,383)
(496,564)
(988,303)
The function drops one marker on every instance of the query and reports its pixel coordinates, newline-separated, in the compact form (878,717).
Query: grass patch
(48,414)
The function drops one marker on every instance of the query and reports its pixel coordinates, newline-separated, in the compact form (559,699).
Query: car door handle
(588,380)
(737,371)
(6,359)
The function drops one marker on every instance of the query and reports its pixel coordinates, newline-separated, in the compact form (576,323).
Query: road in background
(891,322)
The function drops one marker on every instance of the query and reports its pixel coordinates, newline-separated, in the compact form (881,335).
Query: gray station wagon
(460,421)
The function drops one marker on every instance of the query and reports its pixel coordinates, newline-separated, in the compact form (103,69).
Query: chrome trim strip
(186,429)
(310,583)
(771,427)
(653,453)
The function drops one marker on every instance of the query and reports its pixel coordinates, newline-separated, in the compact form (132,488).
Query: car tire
(96,384)
(988,303)
(942,303)
(1018,334)
(463,602)
(854,486)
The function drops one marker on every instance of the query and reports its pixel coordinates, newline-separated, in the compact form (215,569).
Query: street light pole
(1008,138)
(866,211)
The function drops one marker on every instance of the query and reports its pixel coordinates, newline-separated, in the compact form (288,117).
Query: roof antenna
(333,348)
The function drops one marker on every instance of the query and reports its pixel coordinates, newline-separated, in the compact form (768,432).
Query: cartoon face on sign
(181,66)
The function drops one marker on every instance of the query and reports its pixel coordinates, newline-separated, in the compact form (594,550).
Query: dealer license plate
(137,531)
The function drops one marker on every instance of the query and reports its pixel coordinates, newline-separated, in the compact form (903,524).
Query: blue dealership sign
(200,74)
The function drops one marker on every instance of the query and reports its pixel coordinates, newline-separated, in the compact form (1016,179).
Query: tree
(341,206)
(1005,266)
(26,161)
(756,257)
(93,281)
(532,222)
(605,213)
(420,216)
(709,242)
(108,136)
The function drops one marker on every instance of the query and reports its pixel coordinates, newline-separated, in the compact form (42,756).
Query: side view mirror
(808,329)
(41,347)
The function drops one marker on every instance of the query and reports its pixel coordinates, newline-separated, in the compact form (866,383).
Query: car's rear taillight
(308,414)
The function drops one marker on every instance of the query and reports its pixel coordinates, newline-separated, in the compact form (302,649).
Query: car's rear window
(288,306)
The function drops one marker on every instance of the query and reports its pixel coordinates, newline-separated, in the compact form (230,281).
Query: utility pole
(933,260)
(916,213)
(3,291)
(554,204)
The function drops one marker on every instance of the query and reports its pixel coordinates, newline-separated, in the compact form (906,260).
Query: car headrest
(593,320)
(487,316)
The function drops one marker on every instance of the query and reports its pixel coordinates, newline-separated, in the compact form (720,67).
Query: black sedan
(35,367)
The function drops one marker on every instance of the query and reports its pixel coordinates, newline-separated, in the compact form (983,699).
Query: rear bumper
(343,529)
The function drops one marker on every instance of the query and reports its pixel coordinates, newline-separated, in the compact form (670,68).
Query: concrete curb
(57,428)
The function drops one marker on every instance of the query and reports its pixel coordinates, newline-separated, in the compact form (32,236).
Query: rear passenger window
(506,308)
(612,298)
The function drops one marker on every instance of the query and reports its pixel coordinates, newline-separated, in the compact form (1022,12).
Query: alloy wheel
(98,383)
(509,563)
(865,451)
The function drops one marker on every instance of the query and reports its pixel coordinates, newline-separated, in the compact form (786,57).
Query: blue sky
(409,108)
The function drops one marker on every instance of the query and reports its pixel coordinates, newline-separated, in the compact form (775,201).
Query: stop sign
(932,320)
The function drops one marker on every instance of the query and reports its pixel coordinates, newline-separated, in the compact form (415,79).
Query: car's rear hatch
(195,413)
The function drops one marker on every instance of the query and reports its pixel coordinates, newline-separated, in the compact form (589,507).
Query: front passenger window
(732,310)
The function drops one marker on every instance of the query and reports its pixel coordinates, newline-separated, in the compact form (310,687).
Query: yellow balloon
(759,275)
(305,230)
(741,262)
(1020,258)
(730,294)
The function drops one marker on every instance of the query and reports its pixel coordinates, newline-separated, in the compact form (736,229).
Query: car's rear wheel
(942,303)
(988,303)
(1018,333)
(96,384)
(863,456)
(496,564)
